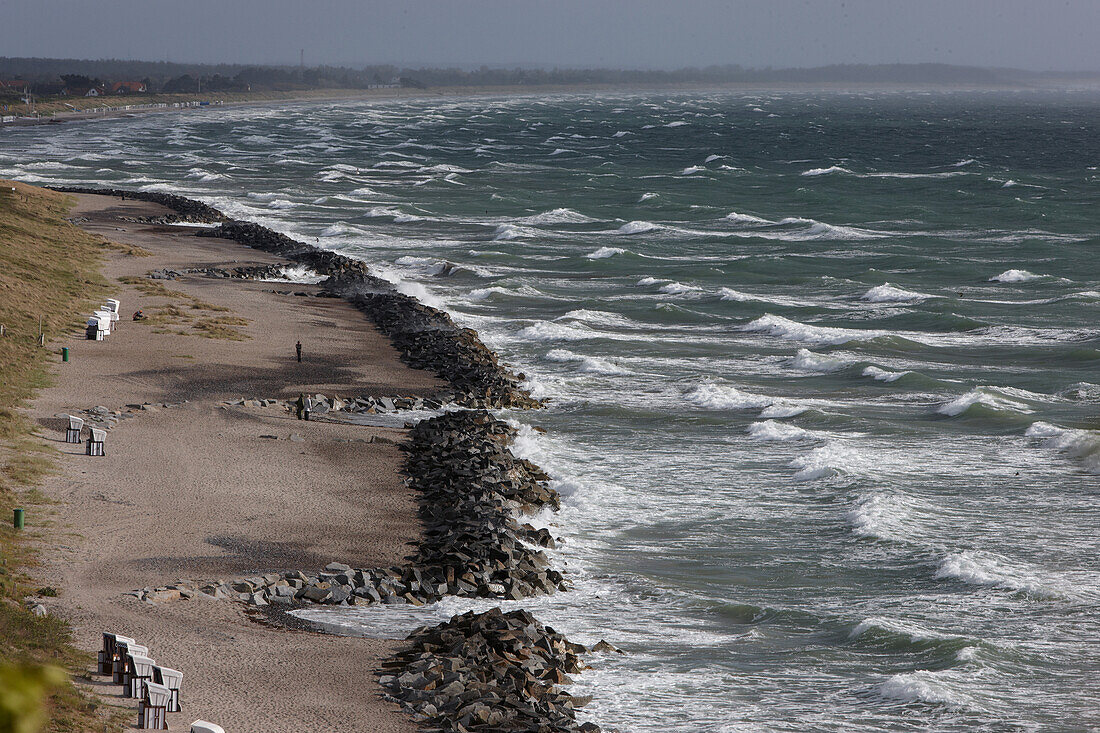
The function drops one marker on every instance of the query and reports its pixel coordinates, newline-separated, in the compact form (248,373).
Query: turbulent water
(823,371)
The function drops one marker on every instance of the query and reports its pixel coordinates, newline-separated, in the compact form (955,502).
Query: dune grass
(49,275)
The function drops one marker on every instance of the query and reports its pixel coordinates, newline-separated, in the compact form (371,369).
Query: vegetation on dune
(49,275)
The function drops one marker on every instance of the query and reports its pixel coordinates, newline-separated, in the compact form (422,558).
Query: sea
(822,371)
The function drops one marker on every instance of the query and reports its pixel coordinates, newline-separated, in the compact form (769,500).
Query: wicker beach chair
(107,654)
(114,307)
(96,442)
(140,673)
(173,680)
(153,709)
(104,317)
(72,433)
(201,726)
(92,332)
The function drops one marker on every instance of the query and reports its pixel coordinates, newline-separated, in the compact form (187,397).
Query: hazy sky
(1030,34)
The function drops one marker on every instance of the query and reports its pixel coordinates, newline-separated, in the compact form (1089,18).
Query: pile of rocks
(186,209)
(470,488)
(102,416)
(488,671)
(264,239)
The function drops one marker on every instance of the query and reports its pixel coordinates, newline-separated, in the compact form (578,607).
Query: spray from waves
(825,171)
(338,229)
(771,430)
(887,293)
(807,361)
(991,398)
(638,227)
(975,567)
(1081,444)
(605,252)
(883,375)
(1015,276)
(557,216)
(785,328)
(713,396)
(586,364)
(935,688)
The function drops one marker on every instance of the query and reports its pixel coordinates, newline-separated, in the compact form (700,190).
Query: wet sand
(201,491)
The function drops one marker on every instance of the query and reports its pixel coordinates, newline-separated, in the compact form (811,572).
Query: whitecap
(785,328)
(692,169)
(830,459)
(1015,276)
(825,171)
(771,430)
(586,364)
(883,375)
(983,568)
(887,293)
(557,216)
(638,227)
(560,151)
(604,253)
(712,158)
(937,688)
(552,331)
(807,361)
(712,396)
(677,123)
(746,218)
(675,288)
(647,196)
(649,281)
(1080,444)
(985,397)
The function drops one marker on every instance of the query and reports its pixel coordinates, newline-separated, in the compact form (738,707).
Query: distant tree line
(46,76)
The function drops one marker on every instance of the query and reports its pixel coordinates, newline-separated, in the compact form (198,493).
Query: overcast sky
(1029,34)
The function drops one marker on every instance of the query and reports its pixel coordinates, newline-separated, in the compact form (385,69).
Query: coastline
(425,338)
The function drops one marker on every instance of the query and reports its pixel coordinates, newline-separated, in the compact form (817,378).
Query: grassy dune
(49,273)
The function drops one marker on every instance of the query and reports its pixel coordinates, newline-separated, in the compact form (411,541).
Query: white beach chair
(141,673)
(72,435)
(92,332)
(153,710)
(104,321)
(115,308)
(96,442)
(123,650)
(201,726)
(172,679)
(109,650)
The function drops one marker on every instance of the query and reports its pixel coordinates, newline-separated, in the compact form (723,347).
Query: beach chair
(92,332)
(96,442)
(153,709)
(140,672)
(123,649)
(104,321)
(109,650)
(201,726)
(172,679)
(72,434)
(115,309)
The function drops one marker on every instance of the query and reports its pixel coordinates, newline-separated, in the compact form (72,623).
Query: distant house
(128,87)
(85,92)
(14,85)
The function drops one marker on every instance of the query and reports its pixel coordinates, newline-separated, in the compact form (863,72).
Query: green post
(18,519)
(64,353)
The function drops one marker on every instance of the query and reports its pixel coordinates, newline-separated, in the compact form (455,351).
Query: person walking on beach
(298,348)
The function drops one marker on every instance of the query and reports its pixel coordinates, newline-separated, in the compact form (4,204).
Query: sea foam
(785,328)
(887,293)
(1015,276)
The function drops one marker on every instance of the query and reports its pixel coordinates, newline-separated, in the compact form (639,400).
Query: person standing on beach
(300,405)
(298,348)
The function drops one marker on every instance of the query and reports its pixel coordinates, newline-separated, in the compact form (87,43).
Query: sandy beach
(200,490)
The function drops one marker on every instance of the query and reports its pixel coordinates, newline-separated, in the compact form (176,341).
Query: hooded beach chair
(109,650)
(72,435)
(96,442)
(172,679)
(140,672)
(153,709)
(123,650)
(114,307)
(201,726)
(104,321)
(92,332)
